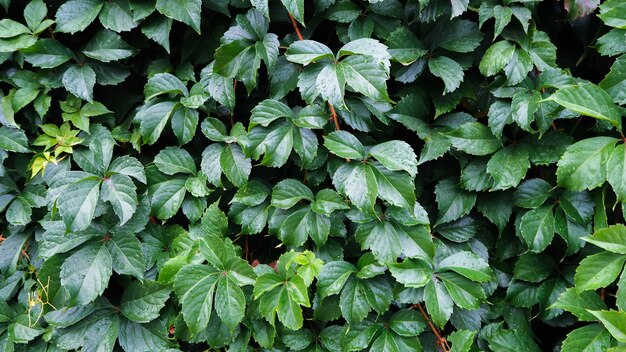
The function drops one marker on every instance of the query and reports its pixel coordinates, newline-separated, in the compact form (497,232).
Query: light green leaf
(583,165)
(411,272)
(598,270)
(496,58)
(614,322)
(590,100)
(589,338)
(613,238)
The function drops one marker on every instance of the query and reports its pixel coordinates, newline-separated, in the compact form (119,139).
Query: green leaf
(141,303)
(589,100)
(467,264)
(365,76)
(404,47)
(598,270)
(448,70)
(582,166)
(579,303)
(496,58)
(462,291)
(352,302)
(395,155)
(461,36)
(307,51)
(75,15)
(79,80)
(438,302)
(537,228)
(164,83)
(120,191)
(358,182)
(411,272)
(462,340)
(126,255)
(186,11)
(153,119)
(330,84)
(508,166)
(77,203)
(10,28)
(295,8)
(288,192)
(143,337)
(230,302)
(452,201)
(344,144)
(168,198)
(172,160)
(235,165)
(532,193)
(614,83)
(129,166)
(85,274)
(14,140)
(333,277)
(533,267)
(613,238)
(614,322)
(616,171)
(195,287)
(47,53)
(269,110)
(475,139)
(107,46)
(593,337)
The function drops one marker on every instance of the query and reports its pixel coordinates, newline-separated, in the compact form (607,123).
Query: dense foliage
(324,175)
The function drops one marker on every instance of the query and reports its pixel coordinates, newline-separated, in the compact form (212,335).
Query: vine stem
(442,343)
(333,113)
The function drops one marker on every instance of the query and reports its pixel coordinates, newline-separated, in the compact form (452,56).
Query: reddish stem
(442,343)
